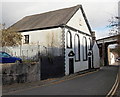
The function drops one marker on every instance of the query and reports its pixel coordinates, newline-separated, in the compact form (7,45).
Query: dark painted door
(89,62)
(89,59)
(71,66)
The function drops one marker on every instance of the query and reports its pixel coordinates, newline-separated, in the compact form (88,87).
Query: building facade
(66,32)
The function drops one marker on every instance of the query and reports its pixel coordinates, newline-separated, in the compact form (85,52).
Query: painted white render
(96,57)
(80,65)
(112,58)
(49,38)
(44,37)
(78,22)
(58,42)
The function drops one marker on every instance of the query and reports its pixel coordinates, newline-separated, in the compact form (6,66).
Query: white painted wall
(112,58)
(54,36)
(48,38)
(46,42)
(80,65)
(78,22)
(96,57)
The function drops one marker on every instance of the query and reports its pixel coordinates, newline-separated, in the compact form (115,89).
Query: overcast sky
(98,12)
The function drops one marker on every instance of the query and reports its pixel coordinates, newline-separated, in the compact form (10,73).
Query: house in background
(112,56)
(67,32)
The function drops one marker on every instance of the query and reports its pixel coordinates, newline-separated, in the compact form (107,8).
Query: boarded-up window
(84,49)
(69,39)
(77,47)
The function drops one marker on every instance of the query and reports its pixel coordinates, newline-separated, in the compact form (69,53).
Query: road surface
(96,83)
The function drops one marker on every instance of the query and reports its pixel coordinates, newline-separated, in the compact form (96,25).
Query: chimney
(93,36)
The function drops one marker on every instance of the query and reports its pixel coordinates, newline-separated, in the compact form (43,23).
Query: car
(118,59)
(6,58)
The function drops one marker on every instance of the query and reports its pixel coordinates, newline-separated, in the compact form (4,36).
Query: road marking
(73,77)
(114,88)
(56,82)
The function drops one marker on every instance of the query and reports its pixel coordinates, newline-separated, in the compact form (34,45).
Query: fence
(48,63)
(32,51)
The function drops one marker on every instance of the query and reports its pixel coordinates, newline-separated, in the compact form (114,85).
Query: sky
(98,12)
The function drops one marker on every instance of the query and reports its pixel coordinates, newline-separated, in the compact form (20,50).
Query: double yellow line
(110,94)
(114,88)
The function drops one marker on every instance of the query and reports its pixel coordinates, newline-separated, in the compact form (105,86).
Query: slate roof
(44,20)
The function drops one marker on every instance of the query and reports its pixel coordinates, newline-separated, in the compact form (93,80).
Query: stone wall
(20,73)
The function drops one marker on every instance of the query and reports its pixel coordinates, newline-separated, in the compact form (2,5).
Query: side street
(102,79)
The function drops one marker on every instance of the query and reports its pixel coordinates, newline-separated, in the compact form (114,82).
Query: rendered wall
(80,65)
(96,57)
(78,22)
(112,58)
(49,38)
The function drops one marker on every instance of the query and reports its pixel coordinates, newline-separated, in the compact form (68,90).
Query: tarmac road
(97,83)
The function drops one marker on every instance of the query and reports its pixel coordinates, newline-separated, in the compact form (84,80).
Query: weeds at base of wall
(32,62)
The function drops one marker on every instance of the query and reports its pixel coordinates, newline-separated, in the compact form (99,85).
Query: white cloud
(59,0)
(98,13)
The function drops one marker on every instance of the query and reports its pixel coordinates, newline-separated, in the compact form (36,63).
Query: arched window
(90,44)
(69,39)
(77,47)
(84,49)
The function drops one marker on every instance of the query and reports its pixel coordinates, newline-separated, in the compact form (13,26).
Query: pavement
(118,89)
(19,86)
(0,85)
(99,82)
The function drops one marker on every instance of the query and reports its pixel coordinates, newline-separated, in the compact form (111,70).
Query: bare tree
(9,37)
(114,25)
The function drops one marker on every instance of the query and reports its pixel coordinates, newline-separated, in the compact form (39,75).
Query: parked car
(6,58)
(118,59)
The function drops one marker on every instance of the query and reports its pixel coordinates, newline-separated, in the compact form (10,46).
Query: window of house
(26,39)
(77,47)
(84,49)
(90,44)
(69,39)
